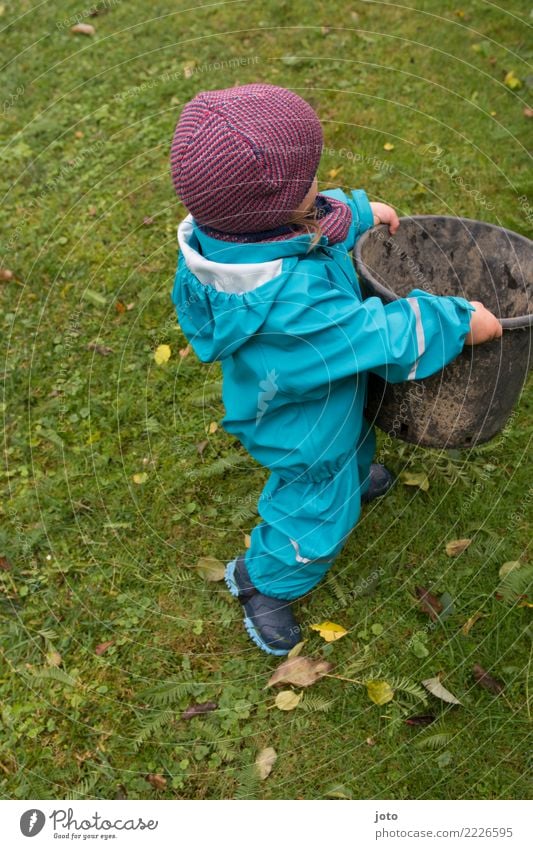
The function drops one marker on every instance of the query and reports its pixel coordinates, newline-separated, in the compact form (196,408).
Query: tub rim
(518,322)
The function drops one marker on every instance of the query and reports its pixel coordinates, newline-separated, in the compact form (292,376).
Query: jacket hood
(221,296)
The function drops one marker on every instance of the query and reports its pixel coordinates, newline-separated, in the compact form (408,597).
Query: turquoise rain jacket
(296,341)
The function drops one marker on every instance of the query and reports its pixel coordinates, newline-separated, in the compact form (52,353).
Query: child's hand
(484,326)
(384,214)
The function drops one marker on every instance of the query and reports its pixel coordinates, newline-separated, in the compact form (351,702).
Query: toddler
(266,285)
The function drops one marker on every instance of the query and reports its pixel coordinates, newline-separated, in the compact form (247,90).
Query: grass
(88,228)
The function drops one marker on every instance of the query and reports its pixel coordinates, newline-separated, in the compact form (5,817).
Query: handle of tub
(518,322)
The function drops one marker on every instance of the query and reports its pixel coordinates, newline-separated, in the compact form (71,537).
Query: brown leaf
(528,112)
(429,603)
(92,211)
(5,565)
(457,546)
(201,446)
(423,719)
(469,624)
(486,681)
(300,671)
(103,647)
(6,274)
(83,29)
(184,352)
(120,307)
(103,350)
(147,220)
(157,780)
(198,709)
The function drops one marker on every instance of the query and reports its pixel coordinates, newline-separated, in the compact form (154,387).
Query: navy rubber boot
(381,480)
(269,621)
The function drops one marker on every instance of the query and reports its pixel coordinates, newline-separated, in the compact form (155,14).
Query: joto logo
(32,822)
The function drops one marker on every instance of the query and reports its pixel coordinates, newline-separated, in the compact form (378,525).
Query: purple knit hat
(243,158)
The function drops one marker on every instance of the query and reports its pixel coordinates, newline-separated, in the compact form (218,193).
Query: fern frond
(147,728)
(432,741)
(516,583)
(338,591)
(244,513)
(83,789)
(406,686)
(48,634)
(171,691)
(222,465)
(249,784)
(210,393)
(316,703)
(54,674)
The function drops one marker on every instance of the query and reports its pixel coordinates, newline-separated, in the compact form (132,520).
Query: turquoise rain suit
(296,341)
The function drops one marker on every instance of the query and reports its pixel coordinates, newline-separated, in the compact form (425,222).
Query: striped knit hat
(243,158)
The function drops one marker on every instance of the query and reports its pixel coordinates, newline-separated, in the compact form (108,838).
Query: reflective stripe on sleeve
(420,339)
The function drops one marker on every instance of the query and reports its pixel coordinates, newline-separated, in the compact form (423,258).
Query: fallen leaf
(184,352)
(528,112)
(379,692)
(300,671)
(53,658)
(482,677)
(525,604)
(370,741)
(512,81)
(157,781)
(198,709)
(5,565)
(92,210)
(510,566)
(103,350)
(120,307)
(265,761)
(388,146)
(419,479)
(329,631)
(457,546)
(101,648)
(210,568)
(296,650)
(334,172)
(201,446)
(448,607)
(429,603)
(140,478)
(247,540)
(423,719)
(213,427)
(162,354)
(83,29)
(469,624)
(6,274)
(436,689)
(288,700)
(147,220)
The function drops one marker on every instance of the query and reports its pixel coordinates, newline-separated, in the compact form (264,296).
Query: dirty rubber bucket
(471,399)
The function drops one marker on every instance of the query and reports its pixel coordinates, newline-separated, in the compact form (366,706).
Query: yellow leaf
(469,624)
(265,761)
(334,172)
(329,631)
(83,29)
(512,81)
(213,427)
(457,546)
(211,569)
(379,692)
(162,354)
(247,540)
(288,700)
(510,566)
(388,146)
(419,479)
(296,650)
(524,604)
(140,477)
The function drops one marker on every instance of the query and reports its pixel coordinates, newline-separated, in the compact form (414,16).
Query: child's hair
(310,222)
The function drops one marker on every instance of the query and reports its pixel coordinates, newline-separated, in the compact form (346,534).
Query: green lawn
(88,223)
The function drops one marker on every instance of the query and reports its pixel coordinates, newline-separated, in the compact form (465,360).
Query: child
(266,284)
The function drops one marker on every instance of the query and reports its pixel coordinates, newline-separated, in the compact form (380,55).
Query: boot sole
(253,633)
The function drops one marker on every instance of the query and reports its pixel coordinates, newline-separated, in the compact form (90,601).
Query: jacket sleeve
(408,339)
(362,215)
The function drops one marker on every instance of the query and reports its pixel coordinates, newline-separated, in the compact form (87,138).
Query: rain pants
(296,341)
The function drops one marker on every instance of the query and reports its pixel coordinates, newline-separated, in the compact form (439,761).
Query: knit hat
(243,158)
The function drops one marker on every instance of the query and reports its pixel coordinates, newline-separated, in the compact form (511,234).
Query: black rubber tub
(470,400)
